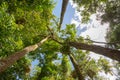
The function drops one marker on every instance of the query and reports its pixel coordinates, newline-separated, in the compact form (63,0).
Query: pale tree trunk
(5,63)
(76,66)
(111,53)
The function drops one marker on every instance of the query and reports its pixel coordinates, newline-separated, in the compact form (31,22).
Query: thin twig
(57,41)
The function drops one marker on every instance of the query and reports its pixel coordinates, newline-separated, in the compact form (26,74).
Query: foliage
(110,10)
(21,21)
(66,68)
(88,8)
(26,22)
(90,68)
(112,15)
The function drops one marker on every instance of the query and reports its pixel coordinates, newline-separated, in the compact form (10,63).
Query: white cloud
(73,4)
(73,21)
(96,32)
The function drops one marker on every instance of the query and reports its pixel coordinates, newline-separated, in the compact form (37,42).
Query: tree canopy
(29,32)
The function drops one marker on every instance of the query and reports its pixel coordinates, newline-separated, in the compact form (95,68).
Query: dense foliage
(26,22)
(21,23)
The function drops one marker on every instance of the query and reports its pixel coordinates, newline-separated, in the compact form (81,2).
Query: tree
(18,19)
(24,23)
(16,56)
(111,53)
(63,10)
(111,14)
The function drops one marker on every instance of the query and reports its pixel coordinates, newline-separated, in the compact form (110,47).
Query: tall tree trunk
(112,43)
(111,53)
(76,66)
(5,63)
(63,10)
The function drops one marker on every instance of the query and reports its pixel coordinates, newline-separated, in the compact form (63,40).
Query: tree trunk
(112,43)
(64,6)
(111,53)
(5,63)
(76,66)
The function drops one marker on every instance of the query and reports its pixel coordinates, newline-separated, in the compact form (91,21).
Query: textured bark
(4,64)
(111,53)
(76,66)
(63,10)
(117,42)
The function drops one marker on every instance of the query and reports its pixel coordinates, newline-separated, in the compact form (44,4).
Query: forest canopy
(29,31)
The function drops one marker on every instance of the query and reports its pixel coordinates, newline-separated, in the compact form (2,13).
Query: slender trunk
(64,6)
(4,64)
(111,53)
(76,66)
(112,43)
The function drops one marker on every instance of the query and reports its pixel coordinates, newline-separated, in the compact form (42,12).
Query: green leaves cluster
(111,14)
(89,7)
(26,22)
(21,24)
(69,32)
(89,67)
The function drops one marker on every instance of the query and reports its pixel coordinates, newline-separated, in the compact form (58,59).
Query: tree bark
(76,66)
(64,6)
(111,53)
(5,63)
(118,42)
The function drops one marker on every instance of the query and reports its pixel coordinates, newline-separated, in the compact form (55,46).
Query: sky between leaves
(96,32)
(94,29)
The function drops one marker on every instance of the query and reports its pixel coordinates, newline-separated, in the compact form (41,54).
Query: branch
(76,66)
(5,63)
(56,23)
(103,42)
(111,53)
(57,41)
(51,32)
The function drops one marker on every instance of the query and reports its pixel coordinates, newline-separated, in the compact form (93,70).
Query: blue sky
(94,29)
(68,15)
(67,18)
(71,16)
